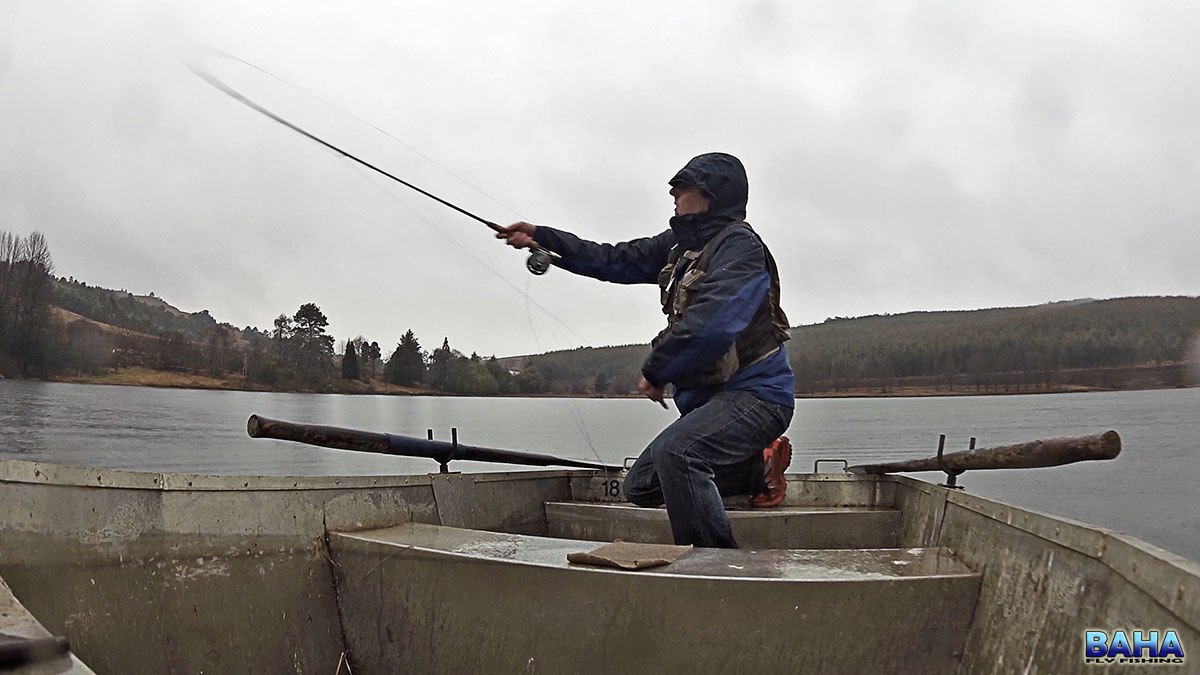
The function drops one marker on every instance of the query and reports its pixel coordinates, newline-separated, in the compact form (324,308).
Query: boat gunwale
(45,473)
(50,473)
(1116,550)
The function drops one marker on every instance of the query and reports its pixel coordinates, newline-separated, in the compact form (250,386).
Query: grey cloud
(922,155)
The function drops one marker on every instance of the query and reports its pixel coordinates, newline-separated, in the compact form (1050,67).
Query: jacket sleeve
(730,294)
(632,262)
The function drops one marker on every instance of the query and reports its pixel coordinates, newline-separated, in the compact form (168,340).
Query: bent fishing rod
(540,259)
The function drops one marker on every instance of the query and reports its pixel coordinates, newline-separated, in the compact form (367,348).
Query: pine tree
(506,383)
(280,337)
(406,366)
(313,346)
(440,362)
(368,358)
(602,381)
(350,363)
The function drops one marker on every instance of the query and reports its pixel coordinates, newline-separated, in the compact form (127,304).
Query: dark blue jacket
(735,287)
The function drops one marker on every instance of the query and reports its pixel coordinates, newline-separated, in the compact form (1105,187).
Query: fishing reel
(539,261)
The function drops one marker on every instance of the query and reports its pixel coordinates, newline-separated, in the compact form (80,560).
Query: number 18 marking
(611,488)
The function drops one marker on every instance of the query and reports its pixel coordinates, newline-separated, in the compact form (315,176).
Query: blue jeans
(713,450)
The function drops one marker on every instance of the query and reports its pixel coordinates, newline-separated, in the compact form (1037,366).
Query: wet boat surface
(161,573)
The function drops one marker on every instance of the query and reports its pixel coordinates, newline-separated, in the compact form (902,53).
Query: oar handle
(312,434)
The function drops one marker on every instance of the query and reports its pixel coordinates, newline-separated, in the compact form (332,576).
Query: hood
(723,178)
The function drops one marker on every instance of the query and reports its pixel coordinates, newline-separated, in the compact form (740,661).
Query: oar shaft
(1034,454)
(394,444)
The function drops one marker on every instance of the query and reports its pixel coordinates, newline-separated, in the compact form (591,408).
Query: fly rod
(540,259)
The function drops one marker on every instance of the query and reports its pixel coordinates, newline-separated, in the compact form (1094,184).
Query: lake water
(1149,491)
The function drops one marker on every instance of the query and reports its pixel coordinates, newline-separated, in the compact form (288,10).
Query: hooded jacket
(731,296)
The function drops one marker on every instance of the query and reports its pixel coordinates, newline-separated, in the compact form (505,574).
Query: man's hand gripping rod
(540,259)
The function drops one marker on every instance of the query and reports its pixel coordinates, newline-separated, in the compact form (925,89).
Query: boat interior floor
(741,563)
(424,584)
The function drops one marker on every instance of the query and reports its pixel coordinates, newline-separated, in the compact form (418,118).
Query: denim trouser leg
(678,468)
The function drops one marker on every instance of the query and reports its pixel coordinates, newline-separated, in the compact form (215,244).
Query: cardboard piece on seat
(629,555)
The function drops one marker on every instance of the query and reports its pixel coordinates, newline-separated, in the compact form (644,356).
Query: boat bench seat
(809,527)
(460,593)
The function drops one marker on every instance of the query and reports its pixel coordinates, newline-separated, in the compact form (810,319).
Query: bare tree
(26,271)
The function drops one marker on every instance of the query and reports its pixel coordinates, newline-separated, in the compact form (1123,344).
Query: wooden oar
(392,444)
(1034,454)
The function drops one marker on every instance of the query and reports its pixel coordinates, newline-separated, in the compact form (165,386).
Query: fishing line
(216,82)
(212,51)
(529,315)
(540,259)
(587,438)
(571,403)
(537,265)
(441,231)
(572,406)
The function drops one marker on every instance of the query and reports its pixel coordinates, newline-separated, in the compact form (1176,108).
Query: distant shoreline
(145,377)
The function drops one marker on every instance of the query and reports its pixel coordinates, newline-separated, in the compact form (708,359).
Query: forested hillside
(63,328)
(1125,342)
(1014,348)
(54,326)
(597,370)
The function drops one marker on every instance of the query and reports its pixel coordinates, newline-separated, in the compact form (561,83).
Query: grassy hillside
(141,313)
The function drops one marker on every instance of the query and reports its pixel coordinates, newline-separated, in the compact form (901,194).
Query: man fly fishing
(722,349)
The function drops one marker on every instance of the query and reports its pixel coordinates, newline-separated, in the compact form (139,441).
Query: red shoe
(776,458)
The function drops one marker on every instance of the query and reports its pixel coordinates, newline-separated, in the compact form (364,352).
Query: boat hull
(156,573)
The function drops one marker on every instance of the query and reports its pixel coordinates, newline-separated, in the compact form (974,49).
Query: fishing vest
(679,284)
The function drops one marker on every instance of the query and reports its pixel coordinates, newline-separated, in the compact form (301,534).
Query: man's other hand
(652,392)
(518,235)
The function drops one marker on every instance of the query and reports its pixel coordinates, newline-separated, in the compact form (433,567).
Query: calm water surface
(1149,491)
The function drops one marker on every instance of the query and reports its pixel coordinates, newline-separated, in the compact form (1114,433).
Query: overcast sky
(902,155)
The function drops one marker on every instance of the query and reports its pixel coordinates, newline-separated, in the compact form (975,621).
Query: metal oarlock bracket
(817,464)
(951,476)
(444,466)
